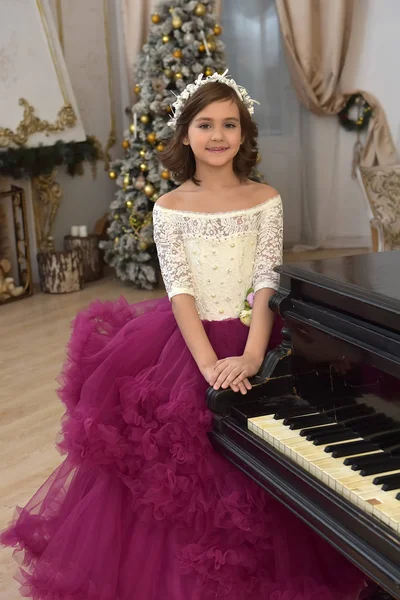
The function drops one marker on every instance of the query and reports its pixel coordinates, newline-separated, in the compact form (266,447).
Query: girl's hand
(235,371)
(210,374)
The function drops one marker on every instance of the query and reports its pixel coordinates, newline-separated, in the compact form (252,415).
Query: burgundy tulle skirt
(143,508)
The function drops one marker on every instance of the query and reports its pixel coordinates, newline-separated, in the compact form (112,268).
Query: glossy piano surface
(321,427)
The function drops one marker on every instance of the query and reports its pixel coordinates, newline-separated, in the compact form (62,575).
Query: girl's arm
(262,320)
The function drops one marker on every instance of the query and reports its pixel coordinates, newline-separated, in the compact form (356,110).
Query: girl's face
(215,133)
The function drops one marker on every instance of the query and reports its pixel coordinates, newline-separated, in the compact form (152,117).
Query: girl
(142,507)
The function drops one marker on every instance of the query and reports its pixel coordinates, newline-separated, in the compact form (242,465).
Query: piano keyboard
(347,446)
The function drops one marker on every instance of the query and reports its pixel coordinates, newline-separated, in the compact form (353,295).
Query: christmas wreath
(364,113)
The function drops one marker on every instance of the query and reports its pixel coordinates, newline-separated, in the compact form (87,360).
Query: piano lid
(364,286)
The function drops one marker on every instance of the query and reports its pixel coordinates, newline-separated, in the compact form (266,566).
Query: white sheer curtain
(257,61)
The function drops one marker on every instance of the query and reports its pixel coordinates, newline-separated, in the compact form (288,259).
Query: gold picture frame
(15,261)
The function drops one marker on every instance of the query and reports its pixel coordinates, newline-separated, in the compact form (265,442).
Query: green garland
(25,163)
(363,118)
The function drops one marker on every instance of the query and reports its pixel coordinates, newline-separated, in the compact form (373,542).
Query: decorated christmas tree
(183,43)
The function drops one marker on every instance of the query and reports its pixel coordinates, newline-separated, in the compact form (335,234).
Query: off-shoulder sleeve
(171,253)
(269,246)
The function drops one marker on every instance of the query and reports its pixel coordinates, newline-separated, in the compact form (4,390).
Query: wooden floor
(34,332)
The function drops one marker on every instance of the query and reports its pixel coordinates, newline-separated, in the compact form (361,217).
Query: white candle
(83,231)
(74,230)
(135,126)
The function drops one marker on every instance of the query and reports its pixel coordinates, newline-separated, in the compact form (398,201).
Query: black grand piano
(320,429)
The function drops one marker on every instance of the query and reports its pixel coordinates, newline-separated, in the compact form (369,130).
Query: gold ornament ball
(116,217)
(160,147)
(142,153)
(212,46)
(145,119)
(208,71)
(165,39)
(200,10)
(112,175)
(156,19)
(142,246)
(137,89)
(129,203)
(168,108)
(176,22)
(178,75)
(202,48)
(151,138)
(168,73)
(125,144)
(165,174)
(132,128)
(116,240)
(126,180)
(143,167)
(177,53)
(217,29)
(149,189)
(154,198)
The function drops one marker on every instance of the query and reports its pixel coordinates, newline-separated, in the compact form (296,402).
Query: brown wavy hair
(179,158)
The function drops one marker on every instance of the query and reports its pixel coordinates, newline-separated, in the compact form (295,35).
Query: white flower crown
(190,89)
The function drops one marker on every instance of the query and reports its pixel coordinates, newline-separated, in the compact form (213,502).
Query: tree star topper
(190,89)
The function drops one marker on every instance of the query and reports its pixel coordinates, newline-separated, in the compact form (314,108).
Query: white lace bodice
(217,257)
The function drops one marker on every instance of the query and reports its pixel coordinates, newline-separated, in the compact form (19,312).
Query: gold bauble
(212,46)
(165,39)
(125,144)
(177,53)
(132,128)
(143,167)
(151,138)
(208,71)
(217,29)
(178,75)
(129,203)
(200,10)
(202,48)
(137,89)
(126,180)
(112,175)
(145,119)
(165,174)
(142,153)
(156,18)
(168,73)
(160,147)
(116,217)
(168,108)
(116,240)
(154,197)
(176,22)
(149,189)
(142,246)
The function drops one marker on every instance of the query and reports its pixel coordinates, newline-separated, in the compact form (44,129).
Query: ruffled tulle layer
(142,508)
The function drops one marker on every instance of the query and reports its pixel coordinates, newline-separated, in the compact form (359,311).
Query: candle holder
(91,255)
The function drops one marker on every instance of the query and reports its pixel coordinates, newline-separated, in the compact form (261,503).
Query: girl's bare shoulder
(173,199)
(261,192)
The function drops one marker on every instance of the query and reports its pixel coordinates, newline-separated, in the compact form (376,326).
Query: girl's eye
(204,125)
(231,125)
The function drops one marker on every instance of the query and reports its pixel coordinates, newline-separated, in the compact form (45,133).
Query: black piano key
(340,436)
(349,448)
(254,409)
(393,449)
(358,462)
(388,482)
(386,465)
(307,421)
(294,411)
(365,419)
(348,412)
(388,435)
(371,427)
(398,496)
(323,429)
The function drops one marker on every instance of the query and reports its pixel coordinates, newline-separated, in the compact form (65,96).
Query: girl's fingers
(233,375)
(242,375)
(242,388)
(221,378)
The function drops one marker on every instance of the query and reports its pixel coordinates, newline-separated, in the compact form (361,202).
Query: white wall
(372,66)
(86,199)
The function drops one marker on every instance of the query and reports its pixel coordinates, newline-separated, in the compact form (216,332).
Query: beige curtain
(136,16)
(316,36)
